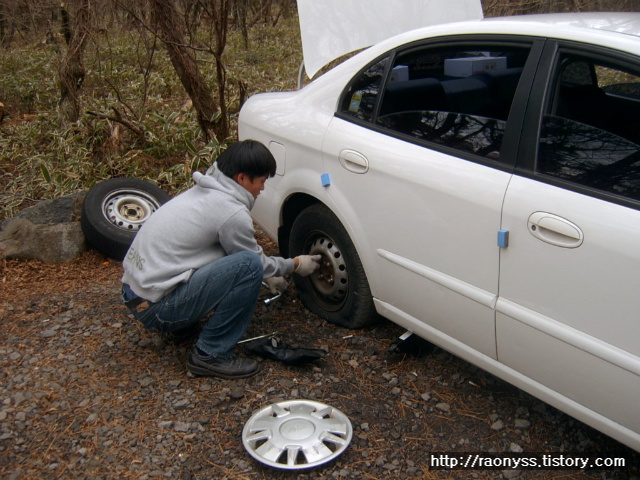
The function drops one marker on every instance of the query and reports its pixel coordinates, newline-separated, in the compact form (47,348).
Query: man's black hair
(249,157)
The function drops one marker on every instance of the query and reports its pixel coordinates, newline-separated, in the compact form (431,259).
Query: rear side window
(360,99)
(590,133)
(457,95)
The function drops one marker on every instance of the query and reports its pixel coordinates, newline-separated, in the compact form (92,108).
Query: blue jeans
(229,286)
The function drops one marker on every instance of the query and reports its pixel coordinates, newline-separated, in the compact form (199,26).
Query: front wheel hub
(331,278)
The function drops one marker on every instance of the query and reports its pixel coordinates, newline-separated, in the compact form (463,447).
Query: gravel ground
(87,393)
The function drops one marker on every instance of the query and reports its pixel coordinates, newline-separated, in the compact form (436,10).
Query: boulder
(59,210)
(49,231)
(50,243)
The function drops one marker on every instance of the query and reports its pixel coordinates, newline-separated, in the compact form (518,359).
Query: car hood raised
(332,28)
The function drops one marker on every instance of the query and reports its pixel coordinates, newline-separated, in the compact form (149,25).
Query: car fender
(308,182)
(336,201)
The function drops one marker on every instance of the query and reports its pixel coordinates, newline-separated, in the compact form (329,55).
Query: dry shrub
(496,8)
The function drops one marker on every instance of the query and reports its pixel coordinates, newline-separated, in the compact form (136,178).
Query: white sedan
(477,183)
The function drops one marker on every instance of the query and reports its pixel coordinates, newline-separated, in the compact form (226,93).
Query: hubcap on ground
(296,434)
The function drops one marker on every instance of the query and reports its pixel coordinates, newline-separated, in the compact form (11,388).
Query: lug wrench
(272,299)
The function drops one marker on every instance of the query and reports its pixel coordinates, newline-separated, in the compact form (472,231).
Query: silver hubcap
(331,279)
(128,209)
(296,434)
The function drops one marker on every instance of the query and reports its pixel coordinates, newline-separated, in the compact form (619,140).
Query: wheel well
(290,210)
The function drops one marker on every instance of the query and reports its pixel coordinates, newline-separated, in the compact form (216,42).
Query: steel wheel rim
(296,434)
(129,209)
(331,280)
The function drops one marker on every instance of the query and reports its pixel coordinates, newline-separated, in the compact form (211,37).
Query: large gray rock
(49,243)
(49,231)
(58,210)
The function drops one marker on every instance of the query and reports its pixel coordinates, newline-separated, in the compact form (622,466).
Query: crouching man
(197,253)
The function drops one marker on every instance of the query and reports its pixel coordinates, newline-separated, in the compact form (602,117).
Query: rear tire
(114,210)
(338,291)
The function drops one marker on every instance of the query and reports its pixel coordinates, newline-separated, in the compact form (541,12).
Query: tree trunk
(240,12)
(167,21)
(2,24)
(72,70)
(220,18)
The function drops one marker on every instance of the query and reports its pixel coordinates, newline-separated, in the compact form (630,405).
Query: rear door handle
(555,230)
(353,161)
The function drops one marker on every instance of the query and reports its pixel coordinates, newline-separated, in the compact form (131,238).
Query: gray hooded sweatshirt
(201,225)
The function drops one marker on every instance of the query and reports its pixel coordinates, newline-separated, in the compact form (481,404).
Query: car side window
(360,99)
(590,133)
(457,96)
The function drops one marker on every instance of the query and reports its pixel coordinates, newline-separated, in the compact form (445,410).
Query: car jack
(412,344)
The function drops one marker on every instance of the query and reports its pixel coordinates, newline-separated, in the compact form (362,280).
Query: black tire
(114,210)
(338,291)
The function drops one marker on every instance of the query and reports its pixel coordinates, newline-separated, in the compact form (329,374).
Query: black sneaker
(205,365)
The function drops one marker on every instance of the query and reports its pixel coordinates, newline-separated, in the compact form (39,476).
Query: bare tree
(493,8)
(219,12)
(171,28)
(71,70)
(240,14)
(3,23)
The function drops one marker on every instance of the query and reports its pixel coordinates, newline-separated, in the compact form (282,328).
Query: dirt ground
(86,392)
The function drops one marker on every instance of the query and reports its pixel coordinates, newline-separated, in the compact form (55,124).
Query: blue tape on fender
(503,238)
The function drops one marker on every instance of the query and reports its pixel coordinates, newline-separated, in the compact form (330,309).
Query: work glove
(276,284)
(276,349)
(307,264)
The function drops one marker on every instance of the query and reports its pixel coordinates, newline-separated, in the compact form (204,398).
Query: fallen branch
(118,119)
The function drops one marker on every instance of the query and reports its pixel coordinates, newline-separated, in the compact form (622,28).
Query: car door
(418,171)
(567,314)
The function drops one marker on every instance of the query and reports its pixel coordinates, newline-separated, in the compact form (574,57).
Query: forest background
(95,89)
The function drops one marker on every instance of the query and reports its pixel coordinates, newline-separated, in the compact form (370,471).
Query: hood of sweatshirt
(214,179)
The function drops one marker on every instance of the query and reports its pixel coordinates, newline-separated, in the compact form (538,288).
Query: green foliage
(27,78)
(272,60)
(137,121)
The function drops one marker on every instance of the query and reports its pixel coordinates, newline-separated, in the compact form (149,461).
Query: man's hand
(276,284)
(307,264)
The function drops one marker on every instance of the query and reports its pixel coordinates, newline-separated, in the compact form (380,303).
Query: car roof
(616,29)
(620,22)
(589,27)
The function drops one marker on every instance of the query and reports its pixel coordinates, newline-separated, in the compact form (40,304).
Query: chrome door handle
(555,230)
